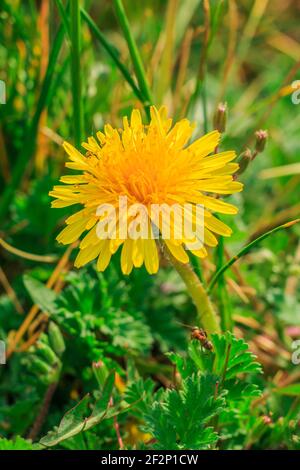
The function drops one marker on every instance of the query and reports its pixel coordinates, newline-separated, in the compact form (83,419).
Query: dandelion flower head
(151,164)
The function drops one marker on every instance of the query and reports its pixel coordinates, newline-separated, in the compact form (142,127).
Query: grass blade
(113,53)
(30,143)
(246,250)
(75,31)
(134,53)
(64,17)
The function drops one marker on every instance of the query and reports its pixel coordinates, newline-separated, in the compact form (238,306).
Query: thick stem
(206,312)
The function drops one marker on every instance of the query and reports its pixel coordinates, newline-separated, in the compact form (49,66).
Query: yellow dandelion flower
(148,165)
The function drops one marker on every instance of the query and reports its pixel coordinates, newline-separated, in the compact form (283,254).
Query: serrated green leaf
(18,443)
(140,393)
(179,419)
(233,355)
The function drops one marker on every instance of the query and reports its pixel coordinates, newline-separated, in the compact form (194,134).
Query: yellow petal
(91,238)
(87,254)
(151,256)
(72,232)
(101,137)
(73,179)
(57,204)
(220,159)
(206,144)
(136,119)
(138,252)
(217,205)
(201,253)
(209,238)
(177,251)
(215,225)
(73,153)
(104,257)
(114,245)
(78,216)
(126,257)
(156,119)
(228,169)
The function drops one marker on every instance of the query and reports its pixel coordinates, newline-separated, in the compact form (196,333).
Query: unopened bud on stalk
(261,140)
(56,339)
(219,120)
(267,420)
(47,353)
(38,366)
(101,372)
(244,160)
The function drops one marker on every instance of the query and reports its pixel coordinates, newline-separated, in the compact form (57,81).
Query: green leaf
(77,419)
(140,394)
(72,423)
(159,424)
(232,356)
(185,366)
(128,330)
(101,406)
(40,294)
(18,443)
(179,419)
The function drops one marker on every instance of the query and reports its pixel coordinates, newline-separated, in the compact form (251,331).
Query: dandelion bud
(56,339)
(220,116)
(261,140)
(47,353)
(267,420)
(244,160)
(101,372)
(38,366)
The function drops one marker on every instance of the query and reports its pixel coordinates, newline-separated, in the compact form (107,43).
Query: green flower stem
(134,53)
(206,312)
(223,297)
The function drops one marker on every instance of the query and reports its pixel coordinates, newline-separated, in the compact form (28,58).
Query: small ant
(200,335)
